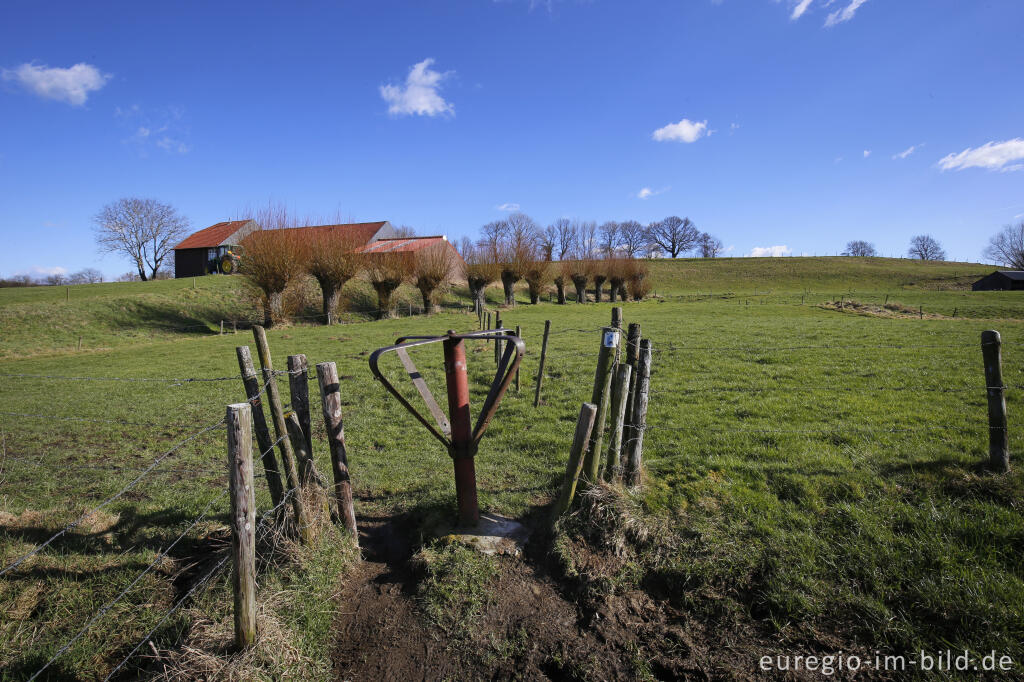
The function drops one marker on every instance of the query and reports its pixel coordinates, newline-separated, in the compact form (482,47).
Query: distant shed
(1001,280)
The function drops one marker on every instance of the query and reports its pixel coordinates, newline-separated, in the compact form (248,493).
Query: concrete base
(493,535)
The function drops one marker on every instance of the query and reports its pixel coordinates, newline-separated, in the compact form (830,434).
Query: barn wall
(189,262)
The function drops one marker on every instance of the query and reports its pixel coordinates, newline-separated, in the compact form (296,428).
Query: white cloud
(647,192)
(799,10)
(992,155)
(867,153)
(71,85)
(772,251)
(164,129)
(508,206)
(844,14)
(420,95)
(907,152)
(685,131)
(43,271)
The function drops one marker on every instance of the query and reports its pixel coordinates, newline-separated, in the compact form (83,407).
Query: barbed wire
(112,498)
(170,380)
(202,581)
(832,389)
(110,604)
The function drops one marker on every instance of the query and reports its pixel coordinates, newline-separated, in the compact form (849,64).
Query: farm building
(412,245)
(207,251)
(1000,280)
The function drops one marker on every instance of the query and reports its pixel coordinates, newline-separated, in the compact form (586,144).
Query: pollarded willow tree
(537,275)
(386,272)
(580,270)
(333,261)
(274,257)
(480,268)
(517,241)
(432,269)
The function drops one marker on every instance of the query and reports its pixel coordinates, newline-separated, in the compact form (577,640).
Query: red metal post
(462,450)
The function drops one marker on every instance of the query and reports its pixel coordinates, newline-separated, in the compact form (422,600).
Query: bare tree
(609,238)
(562,234)
(481,269)
(386,272)
(274,257)
(333,261)
(586,239)
(432,272)
(86,276)
(547,243)
(925,247)
(632,238)
(860,248)
(536,275)
(404,231)
(55,279)
(579,270)
(673,235)
(709,246)
(143,230)
(518,241)
(1007,247)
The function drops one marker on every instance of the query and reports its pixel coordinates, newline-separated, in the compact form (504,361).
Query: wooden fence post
(259,420)
(497,341)
(330,401)
(543,356)
(599,397)
(620,385)
(243,522)
(298,385)
(519,333)
(617,317)
(281,433)
(584,426)
(998,437)
(634,453)
(222,327)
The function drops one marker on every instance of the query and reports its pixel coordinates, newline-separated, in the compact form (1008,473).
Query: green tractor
(230,261)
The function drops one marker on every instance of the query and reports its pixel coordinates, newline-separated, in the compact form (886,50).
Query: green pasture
(820,469)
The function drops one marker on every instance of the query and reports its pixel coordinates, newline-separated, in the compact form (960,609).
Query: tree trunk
(508,283)
(384,291)
(428,303)
(142,271)
(534,295)
(612,292)
(598,284)
(272,308)
(560,287)
(581,289)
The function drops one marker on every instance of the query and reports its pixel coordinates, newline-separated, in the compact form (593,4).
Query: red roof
(362,232)
(394,244)
(215,235)
(212,236)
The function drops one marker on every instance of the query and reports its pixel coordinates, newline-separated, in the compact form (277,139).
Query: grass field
(818,469)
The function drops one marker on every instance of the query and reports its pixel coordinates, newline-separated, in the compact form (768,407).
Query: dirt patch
(534,625)
(889,310)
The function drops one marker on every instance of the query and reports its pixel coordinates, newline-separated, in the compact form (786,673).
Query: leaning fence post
(602,386)
(543,356)
(584,426)
(998,437)
(330,401)
(243,522)
(519,333)
(259,420)
(281,432)
(298,385)
(620,384)
(634,454)
(497,340)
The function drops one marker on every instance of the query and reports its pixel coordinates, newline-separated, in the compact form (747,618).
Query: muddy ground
(537,625)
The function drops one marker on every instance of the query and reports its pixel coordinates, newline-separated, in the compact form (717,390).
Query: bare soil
(537,626)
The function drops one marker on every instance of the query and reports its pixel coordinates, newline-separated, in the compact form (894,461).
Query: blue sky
(770,123)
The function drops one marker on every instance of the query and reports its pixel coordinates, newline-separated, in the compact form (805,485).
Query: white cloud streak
(509,206)
(71,85)
(770,251)
(844,14)
(867,153)
(420,95)
(992,155)
(686,131)
(906,152)
(799,10)
(647,192)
